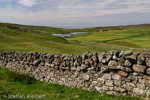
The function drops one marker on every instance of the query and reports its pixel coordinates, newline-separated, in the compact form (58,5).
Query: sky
(75,13)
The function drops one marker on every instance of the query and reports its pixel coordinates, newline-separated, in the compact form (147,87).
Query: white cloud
(74,12)
(28,3)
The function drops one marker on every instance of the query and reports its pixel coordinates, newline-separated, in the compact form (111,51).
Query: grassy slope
(17,40)
(51,91)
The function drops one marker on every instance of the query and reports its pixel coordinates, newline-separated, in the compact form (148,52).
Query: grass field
(137,38)
(12,84)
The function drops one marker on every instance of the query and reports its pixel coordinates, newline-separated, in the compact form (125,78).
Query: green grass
(10,84)
(16,40)
(39,38)
(137,38)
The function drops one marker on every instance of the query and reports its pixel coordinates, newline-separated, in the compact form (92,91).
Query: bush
(15,76)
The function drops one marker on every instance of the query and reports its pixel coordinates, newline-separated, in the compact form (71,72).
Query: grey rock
(86,77)
(141,86)
(127,53)
(130,86)
(116,77)
(37,62)
(148,71)
(101,80)
(138,91)
(73,68)
(121,53)
(135,74)
(98,89)
(148,62)
(109,83)
(118,89)
(132,77)
(104,61)
(112,63)
(140,59)
(83,67)
(115,57)
(127,63)
(107,76)
(105,88)
(139,68)
(126,69)
(108,58)
(117,83)
(104,69)
(101,56)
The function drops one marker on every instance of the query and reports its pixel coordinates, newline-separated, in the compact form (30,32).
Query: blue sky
(75,13)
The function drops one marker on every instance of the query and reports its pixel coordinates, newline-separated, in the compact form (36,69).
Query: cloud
(76,12)
(28,3)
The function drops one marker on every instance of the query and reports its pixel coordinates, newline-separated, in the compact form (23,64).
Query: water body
(68,35)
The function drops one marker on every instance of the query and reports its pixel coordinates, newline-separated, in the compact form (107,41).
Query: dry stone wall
(114,72)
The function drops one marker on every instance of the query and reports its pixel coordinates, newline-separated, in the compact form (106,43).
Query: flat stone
(112,63)
(98,89)
(117,83)
(108,58)
(105,88)
(138,91)
(109,83)
(101,80)
(86,77)
(126,69)
(148,62)
(118,89)
(148,71)
(122,73)
(83,67)
(132,77)
(139,68)
(101,56)
(107,76)
(135,74)
(125,79)
(73,68)
(140,60)
(121,53)
(141,86)
(128,53)
(148,77)
(114,67)
(129,86)
(116,77)
(127,63)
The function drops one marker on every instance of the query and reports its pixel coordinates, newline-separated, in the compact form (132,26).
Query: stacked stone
(114,72)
